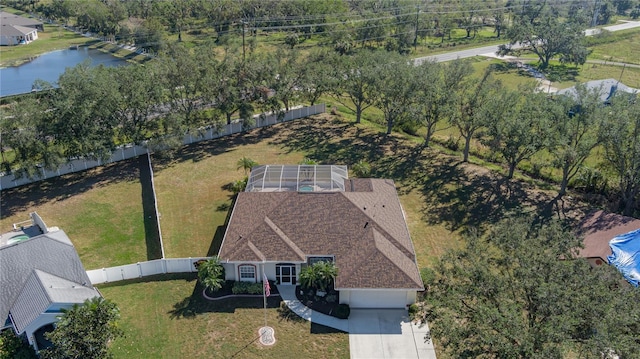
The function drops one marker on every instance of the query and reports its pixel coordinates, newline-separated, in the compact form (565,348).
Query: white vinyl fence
(144,269)
(130,151)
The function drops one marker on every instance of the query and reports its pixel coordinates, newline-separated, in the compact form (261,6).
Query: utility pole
(596,11)
(243,31)
(415,39)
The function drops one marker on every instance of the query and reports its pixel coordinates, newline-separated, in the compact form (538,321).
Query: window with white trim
(247,273)
(315,259)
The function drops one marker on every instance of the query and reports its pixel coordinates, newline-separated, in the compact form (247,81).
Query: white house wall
(232,273)
(377,298)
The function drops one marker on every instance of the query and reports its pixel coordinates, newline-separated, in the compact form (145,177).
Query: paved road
(492,49)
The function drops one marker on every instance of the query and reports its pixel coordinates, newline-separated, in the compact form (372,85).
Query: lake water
(18,79)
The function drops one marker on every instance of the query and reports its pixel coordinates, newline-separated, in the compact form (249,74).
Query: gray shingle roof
(13,19)
(43,289)
(365,231)
(53,255)
(606,88)
(15,30)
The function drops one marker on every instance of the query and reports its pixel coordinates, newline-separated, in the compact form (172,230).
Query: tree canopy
(547,31)
(519,292)
(84,331)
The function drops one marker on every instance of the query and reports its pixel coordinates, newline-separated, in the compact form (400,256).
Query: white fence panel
(66,168)
(130,271)
(151,267)
(143,269)
(97,276)
(113,274)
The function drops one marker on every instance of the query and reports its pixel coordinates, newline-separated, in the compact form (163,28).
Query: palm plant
(246,164)
(308,161)
(361,169)
(211,274)
(239,185)
(318,276)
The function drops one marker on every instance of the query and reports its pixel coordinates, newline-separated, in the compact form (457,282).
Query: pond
(48,67)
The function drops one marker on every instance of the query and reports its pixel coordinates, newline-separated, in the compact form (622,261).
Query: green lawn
(625,48)
(192,202)
(168,318)
(100,210)
(53,38)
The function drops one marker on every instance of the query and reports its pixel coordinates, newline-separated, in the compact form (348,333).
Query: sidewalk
(288,294)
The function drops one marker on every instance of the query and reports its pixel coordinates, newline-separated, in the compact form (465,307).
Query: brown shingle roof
(598,228)
(365,231)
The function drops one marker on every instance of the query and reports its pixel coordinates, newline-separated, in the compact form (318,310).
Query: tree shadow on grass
(321,329)
(196,304)
(216,242)
(331,141)
(199,151)
(561,73)
(463,196)
(150,215)
(189,277)
(286,314)
(25,198)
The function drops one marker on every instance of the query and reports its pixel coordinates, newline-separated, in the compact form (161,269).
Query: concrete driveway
(387,333)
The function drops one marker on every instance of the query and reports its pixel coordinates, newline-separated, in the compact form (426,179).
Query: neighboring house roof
(607,88)
(598,228)
(43,269)
(41,291)
(13,19)
(15,30)
(363,227)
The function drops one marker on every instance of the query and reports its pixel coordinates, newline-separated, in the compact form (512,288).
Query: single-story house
(606,88)
(292,216)
(597,229)
(16,29)
(15,35)
(13,19)
(40,274)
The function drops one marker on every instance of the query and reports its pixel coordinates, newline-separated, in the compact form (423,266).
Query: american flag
(267,288)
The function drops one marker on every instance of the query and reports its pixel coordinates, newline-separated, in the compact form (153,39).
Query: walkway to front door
(286,274)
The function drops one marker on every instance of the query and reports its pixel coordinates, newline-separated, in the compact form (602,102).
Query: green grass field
(625,47)
(168,318)
(100,210)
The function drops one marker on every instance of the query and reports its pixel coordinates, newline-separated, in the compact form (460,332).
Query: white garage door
(377,299)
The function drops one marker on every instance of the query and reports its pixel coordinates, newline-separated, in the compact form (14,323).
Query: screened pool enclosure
(300,178)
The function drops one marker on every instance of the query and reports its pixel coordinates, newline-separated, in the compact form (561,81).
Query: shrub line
(236,296)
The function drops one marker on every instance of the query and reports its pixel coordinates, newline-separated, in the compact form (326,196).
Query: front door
(286,274)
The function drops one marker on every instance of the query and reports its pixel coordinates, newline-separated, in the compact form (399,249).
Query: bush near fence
(130,150)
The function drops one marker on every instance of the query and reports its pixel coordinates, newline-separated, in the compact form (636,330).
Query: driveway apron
(387,334)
